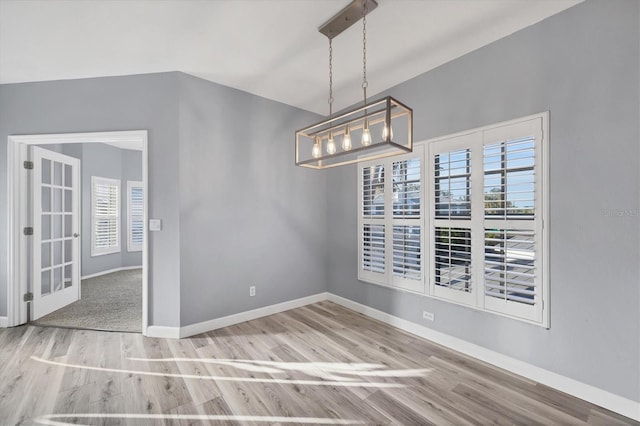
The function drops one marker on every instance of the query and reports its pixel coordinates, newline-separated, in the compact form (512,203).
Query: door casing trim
(17,203)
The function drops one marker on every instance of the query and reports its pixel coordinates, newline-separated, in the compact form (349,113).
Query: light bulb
(346,141)
(315,151)
(366,135)
(331,146)
(385,133)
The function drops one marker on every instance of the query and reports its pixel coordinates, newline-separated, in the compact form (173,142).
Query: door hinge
(28,230)
(28,297)
(28,165)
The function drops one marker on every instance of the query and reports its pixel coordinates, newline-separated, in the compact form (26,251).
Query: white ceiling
(267,47)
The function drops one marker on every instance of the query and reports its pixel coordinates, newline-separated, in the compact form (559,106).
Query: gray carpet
(110,302)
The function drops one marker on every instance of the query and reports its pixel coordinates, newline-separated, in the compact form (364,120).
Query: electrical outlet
(428,315)
(252,290)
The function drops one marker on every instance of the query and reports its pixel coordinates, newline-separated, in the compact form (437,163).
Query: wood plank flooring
(320,364)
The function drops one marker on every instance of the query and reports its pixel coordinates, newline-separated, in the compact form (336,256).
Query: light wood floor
(320,364)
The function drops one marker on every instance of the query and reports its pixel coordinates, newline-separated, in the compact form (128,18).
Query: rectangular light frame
(383,112)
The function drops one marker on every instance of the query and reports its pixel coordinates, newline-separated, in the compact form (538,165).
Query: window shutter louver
(135,210)
(407,261)
(509,179)
(373,256)
(453,258)
(509,265)
(452,175)
(373,191)
(106,216)
(406,189)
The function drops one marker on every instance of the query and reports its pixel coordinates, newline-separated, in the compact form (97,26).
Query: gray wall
(103,161)
(106,104)
(582,66)
(109,162)
(236,211)
(248,216)
(131,171)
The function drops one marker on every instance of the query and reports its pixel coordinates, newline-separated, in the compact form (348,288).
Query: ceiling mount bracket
(346,17)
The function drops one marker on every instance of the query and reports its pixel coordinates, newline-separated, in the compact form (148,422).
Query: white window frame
(131,245)
(100,251)
(474,139)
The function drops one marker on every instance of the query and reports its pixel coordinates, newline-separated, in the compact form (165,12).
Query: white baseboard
(163,332)
(203,327)
(608,400)
(4,322)
(110,271)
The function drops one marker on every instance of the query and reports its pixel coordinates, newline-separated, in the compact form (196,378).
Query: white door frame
(18,205)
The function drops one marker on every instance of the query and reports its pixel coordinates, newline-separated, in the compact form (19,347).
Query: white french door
(55,252)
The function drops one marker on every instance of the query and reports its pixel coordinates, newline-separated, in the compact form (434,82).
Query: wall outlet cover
(155,224)
(428,315)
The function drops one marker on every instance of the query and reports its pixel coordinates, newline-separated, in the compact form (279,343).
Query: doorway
(46,238)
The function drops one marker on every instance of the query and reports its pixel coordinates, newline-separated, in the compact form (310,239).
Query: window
(135,216)
(390,222)
(483,222)
(105,216)
(512,230)
(450,226)
(372,224)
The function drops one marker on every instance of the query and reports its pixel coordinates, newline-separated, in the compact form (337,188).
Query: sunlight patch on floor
(337,383)
(57,419)
(323,370)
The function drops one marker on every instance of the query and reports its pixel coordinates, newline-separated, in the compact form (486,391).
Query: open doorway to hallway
(82,263)
(110,224)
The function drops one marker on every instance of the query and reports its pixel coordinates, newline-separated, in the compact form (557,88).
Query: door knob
(76,235)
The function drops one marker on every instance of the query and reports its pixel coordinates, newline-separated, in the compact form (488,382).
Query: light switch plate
(155,225)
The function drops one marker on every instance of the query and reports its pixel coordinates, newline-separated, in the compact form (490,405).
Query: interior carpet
(111,302)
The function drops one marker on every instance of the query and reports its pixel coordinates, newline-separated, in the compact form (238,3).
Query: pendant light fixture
(377,129)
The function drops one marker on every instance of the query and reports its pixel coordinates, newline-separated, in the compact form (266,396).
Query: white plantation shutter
(373,252)
(509,179)
(453,258)
(373,191)
(391,222)
(509,265)
(406,189)
(105,206)
(135,216)
(512,229)
(452,178)
(452,191)
(372,245)
(477,223)
(406,252)
(407,224)
(486,223)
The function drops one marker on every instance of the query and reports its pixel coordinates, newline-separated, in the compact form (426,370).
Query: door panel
(55,189)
